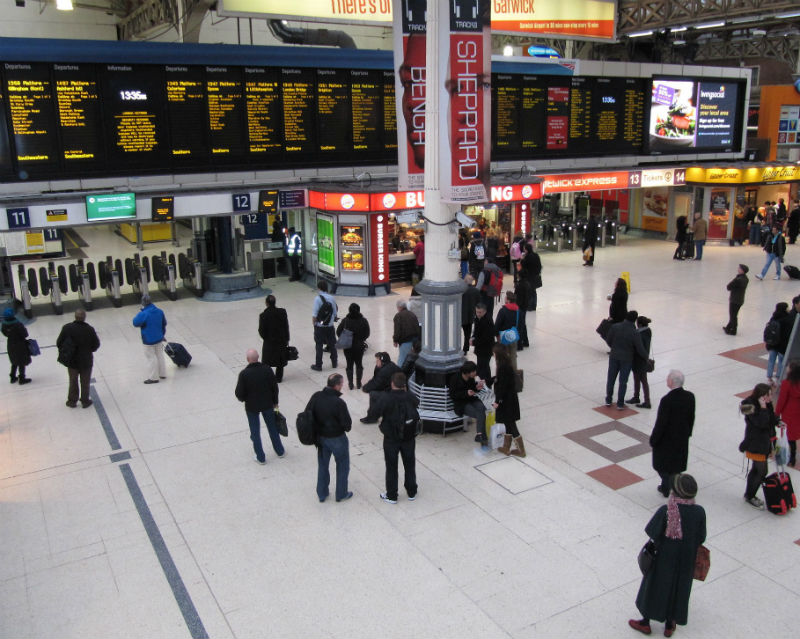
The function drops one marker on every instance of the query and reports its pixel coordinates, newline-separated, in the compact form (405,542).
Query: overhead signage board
(350,11)
(110,206)
(163,208)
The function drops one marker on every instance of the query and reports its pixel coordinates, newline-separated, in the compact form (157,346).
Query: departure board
(79,119)
(262,92)
(389,113)
(366,91)
(558,117)
(133,116)
(580,114)
(506,107)
(334,118)
(6,164)
(618,108)
(32,112)
(532,114)
(185,93)
(299,105)
(226,113)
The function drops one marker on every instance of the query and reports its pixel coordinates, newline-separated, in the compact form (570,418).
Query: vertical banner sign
(409,60)
(326,253)
(379,247)
(465,105)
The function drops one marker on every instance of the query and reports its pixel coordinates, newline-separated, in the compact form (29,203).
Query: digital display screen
(389,113)
(334,123)
(110,206)
(163,209)
(690,115)
(79,119)
(225,95)
(184,89)
(297,97)
(263,105)
(6,166)
(268,201)
(352,235)
(366,90)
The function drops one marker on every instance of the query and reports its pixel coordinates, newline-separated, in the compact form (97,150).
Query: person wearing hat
(678,529)
(670,437)
(737,287)
(380,383)
(152,323)
(16,346)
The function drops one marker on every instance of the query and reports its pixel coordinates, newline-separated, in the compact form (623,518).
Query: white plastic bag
(496,435)
(782,447)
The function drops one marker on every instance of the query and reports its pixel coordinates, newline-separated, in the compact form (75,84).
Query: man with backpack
(477,254)
(490,283)
(323,316)
(399,419)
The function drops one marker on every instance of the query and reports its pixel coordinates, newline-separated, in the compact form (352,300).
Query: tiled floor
(146,516)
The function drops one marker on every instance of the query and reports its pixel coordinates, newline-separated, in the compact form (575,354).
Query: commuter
(331,423)
(464,389)
(294,249)
(483,339)
(492,245)
(278,234)
(406,330)
(477,255)
(356,323)
(680,236)
(508,317)
(780,212)
(678,529)
(258,389)
(523,291)
(753,225)
(490,283)
(641,364)
(399,419)
(273,327)
(793,223)
(737,287)
(759,431)
(380,383)
(670,437)
(700,230)
(775,248)
(323,317)
(463,246)
(624,341)
(788,408)
(590,240)
(419,257)
(619,301)
(515,255)
(469,300)
(152,325)
(76,342)
(506,403)
(532,266)
(776,339)
(410,365)
(16,346)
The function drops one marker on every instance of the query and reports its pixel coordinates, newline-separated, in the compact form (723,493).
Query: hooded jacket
(507,317)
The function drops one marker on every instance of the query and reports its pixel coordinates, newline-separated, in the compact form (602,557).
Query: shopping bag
(280,422)
(490,420)
(33,347)
(496,435)
(702,563)
(782,447)
(627,277)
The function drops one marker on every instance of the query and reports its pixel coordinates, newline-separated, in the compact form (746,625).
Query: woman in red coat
(788,407)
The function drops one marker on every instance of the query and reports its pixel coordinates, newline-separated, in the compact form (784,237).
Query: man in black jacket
(737,287)
(399,418)
(380,383)
(257,388)
(531,264)
(624,340)
(469,300)
(273,327)
(331,423)
(671,433)
(464,389)
(483,339)
(775,248)
(82,340)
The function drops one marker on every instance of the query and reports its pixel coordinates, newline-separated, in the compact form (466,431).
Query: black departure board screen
(334,120)
(133,116)
(225,95)
(299,110)
(79,119)
(366,92)
(506,106)
(32,111)
(389,113)
(6,164)
(185,93)
(163,208)
(262,92)
(532,114)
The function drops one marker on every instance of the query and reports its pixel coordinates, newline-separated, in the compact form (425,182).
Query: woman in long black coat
(273,327)
(760,422)
(680,236)
(619,302)
(17,346)
(677,529)
(354,321)
(506,403)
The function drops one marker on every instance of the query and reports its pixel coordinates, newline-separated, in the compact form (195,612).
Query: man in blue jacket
(153,324)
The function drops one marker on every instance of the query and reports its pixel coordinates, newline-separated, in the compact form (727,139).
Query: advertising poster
(655,208)
(788,125)
(465,101)
(326,252)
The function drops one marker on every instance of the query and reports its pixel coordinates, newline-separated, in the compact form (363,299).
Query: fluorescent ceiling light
(710,25)
(743,19)
(640,34)
(677,29)
(508,50)
(679,42)
(758,32)
(64,5)
(793,14)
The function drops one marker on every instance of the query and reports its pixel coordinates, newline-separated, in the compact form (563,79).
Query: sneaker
(755,502)
(481,438)
(258,461)
(777,277)
(314,367)
(385,498)
(633,400)
(620,406)
(414,496)
(608,402)
(759,276)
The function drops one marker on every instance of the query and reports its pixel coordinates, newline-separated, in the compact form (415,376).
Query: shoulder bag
(33,347)
(346,338)
(702,563)
(651,363)
(647,556)
(280,422)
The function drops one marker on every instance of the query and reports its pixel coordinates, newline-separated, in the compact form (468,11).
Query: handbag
(33,347)
(603,328)
(519,380)
(702,563)
(651,365)
(280,422)
(647,556)
(345,339)
(292,353)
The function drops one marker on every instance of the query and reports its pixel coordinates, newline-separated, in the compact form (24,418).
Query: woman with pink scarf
(678,529)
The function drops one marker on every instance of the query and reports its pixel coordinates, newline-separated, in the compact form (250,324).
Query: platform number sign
(241,202)
(52,235)
(19,218)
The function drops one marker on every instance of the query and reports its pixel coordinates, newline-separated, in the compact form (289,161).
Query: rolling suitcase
(178,354)
(792,271)
(688,248)
(778,493)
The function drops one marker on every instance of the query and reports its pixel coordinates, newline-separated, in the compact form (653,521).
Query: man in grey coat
(624,340)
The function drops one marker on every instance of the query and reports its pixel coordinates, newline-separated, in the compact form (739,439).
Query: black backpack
(402,422)
(67,353)
(772,333)
(306,432)
(325,312)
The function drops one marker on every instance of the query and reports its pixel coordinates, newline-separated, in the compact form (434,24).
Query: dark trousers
(698,249)
(14,368)
(467,328)
(484,372)
(666,483)
(523,330)
(623,369)
(511,428)
(733,316)
(85,374)
(278,373)
(640,379)
(325,335)
(678,254)
(391,449)
(374,397)
(758,470)
(272,429)
(534,301)
(353,357)
(477,411)
(339,447)
(294,264)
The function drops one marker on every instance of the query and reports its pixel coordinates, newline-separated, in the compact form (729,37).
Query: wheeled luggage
(792,271)
(778,493)
(688,248)
(178,354)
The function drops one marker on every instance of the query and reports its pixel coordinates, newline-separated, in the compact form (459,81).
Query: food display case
(403,239)
(352,247)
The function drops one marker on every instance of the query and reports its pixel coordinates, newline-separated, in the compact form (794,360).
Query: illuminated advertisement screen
(326,251)
(110,206)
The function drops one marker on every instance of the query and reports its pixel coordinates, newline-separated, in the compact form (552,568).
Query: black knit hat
(684,486)
(744,268)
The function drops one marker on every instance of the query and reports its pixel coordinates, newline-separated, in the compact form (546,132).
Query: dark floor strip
(111,436)
(77,253)
(75,238)
(119,456)
(182,598)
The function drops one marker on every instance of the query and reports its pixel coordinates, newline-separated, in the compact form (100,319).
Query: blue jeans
(773,355)
(339,447)
(402,352)
(771,257)
(464,267)
(623,369)
(698,249)
(272,429)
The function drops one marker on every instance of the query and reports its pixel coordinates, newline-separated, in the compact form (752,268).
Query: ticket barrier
(610,232)
(110,274)
(191,272)
(25,291)
(164,274)
(569,236)
(53,281)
